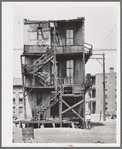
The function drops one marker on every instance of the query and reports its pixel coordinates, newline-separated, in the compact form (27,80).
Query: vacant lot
(101,132)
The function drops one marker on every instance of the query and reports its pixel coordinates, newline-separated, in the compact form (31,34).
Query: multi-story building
(95,97)
(53,68)
(18,108)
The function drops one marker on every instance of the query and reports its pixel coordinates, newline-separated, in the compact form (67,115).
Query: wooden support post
(33,79)
(72,124)
(25,115)
(60,112)
(45,115)
(38,119)
(24,100)
(60,107)
(38,125)
(84,113)
(53,125)
(55,69)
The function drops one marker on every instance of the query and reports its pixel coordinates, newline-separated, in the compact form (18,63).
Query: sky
(100,21)
(100,18)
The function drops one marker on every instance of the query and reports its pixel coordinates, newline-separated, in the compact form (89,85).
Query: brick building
(95,98)
(18,98)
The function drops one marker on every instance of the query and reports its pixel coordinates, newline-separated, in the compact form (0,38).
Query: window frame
(20,100)
(69,38)
(14,100)
(38,28)
(70,68)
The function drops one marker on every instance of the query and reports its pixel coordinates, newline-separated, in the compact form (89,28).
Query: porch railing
(66,80)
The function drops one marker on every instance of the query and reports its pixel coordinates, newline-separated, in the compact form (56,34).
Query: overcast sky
(100,18)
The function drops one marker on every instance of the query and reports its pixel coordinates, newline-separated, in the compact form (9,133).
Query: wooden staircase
(39,63)
(42,62)
(47,103)
(43,78)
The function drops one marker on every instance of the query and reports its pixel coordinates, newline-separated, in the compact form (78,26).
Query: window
(20,112)
(115,106)
(105,95)
(70,71)
(20,97)
(93,81)
(14,101)
(69,37)
(39,34)
(20,100)
(14,110)
(93,93)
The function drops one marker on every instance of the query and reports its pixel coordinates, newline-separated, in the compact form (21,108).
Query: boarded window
(69,37)
(43,35)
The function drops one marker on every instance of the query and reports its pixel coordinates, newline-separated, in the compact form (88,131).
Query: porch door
(69,71)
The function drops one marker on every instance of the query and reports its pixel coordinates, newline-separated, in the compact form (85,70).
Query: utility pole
(103,64)
(104,87)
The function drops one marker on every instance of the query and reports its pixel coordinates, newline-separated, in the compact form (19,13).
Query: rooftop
(17,81)
(27,21)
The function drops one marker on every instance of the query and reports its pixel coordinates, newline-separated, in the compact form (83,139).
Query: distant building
(94,99)
(18,98)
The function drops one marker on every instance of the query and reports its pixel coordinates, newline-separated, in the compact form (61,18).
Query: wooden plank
(72,107)
(35,48)
(44,122)
(72,110)
(60,108)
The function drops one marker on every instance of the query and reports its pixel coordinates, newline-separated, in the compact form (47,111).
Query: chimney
(111,70)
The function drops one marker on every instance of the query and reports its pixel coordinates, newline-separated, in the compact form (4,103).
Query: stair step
(46,61)
(52,91)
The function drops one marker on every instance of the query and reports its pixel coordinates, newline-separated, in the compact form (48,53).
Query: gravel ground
(102,132)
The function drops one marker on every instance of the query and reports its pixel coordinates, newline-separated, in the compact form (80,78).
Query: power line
(109,39)
(108,35)
(105,50)
(107,45)
(111,44)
